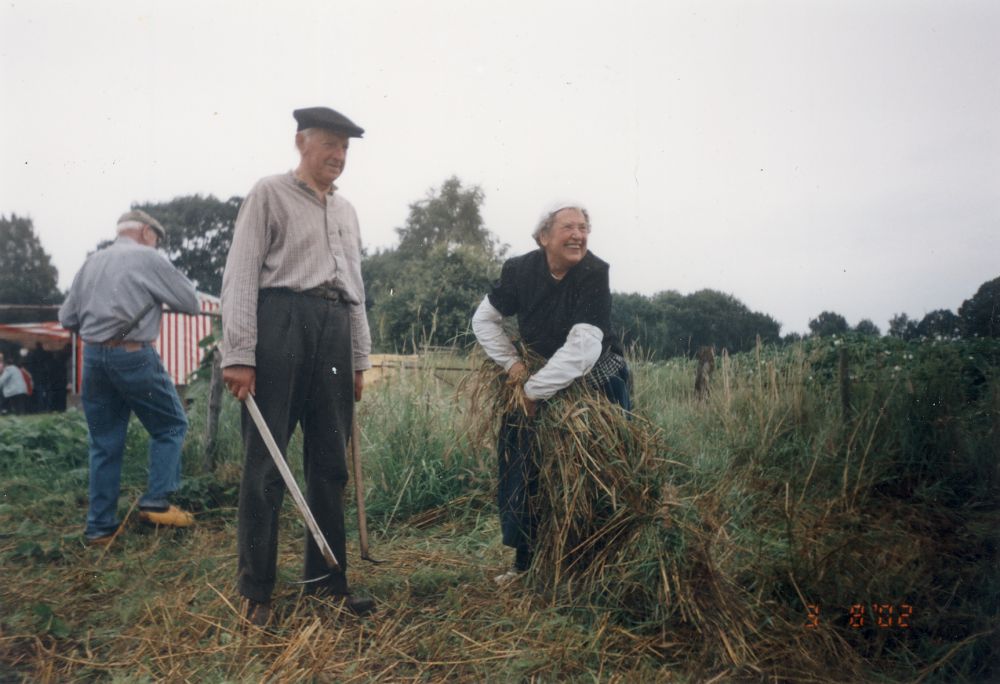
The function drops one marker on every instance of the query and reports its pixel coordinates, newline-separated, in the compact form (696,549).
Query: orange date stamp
(858,615)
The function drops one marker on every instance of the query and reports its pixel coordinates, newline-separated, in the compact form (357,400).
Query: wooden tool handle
(359,485)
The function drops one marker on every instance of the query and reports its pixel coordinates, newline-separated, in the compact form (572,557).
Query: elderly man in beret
(114,305)
(296,338)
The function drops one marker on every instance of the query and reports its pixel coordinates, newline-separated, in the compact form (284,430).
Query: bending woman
(562,300)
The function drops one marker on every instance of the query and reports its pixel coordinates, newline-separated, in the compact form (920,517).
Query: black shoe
(257,614)
(356,604)
(522,559)
(101,541)
(359,605)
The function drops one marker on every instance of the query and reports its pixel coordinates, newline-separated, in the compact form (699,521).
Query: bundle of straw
(611,535)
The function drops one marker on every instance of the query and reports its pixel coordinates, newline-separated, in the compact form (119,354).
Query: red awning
(52,335)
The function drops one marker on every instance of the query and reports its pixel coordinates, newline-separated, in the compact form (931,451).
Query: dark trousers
(517,480)
(304,375)
(17,404)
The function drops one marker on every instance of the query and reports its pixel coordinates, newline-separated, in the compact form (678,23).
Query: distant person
(13,388)
(29,382)
(59,371)
(3,366)
(562,299)
(114,305)
(37,363)
(296,337)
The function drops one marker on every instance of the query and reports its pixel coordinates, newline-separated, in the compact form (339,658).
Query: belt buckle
(328,293)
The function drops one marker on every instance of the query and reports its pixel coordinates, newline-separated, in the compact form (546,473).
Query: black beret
(324,117)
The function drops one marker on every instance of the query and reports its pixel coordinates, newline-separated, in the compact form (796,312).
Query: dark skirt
(517,480)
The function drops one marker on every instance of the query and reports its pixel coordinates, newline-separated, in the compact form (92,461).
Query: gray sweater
(115,284)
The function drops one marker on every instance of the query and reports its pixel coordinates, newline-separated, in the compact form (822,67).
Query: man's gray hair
(130,225)
(548,218)
(309,132)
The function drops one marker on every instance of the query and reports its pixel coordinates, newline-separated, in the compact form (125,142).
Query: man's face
(324,154)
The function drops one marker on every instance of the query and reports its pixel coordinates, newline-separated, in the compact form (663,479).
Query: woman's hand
(517,371)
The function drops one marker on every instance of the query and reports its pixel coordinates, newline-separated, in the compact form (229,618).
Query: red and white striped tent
(177,344)
(179,336)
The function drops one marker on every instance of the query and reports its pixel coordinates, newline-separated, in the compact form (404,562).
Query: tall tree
(828,323)
(449,216)
(867,327)
(27,275)
(901,327)
(981,314)
(426,289)
(941,324)
(717,319)
(435,300)
(642,323)
(199,233)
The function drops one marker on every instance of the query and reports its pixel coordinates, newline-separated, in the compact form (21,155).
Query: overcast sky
(802,155)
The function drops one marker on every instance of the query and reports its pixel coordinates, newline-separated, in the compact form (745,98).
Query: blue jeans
(117,382)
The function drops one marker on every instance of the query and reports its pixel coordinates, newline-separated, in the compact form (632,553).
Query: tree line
(424,290)
(27,276)
(670,324)
(978,316)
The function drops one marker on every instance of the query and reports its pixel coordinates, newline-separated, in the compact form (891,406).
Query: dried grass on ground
(618,542)
(163,607)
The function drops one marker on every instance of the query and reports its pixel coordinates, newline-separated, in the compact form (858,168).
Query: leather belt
(129,345)
(325,293)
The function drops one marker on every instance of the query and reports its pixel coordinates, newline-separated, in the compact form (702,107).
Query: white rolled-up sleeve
(571,361)
(487,324)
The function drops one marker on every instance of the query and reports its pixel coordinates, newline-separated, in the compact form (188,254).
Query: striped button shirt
(286,237)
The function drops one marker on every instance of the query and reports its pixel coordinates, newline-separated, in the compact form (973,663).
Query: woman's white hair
(548,218)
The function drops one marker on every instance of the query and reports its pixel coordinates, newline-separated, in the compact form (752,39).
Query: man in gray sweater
(114,305)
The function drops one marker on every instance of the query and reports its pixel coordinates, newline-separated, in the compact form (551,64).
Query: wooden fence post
(214,409)
(845,386)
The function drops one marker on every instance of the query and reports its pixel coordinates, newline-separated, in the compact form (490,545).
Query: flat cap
(324,117)
(142,217)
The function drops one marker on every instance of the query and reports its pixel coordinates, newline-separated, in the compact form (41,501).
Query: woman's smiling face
(565,243)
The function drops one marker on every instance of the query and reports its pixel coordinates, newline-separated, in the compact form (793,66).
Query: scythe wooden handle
(359,486)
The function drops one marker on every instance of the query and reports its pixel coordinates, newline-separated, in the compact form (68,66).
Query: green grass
(788,505)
